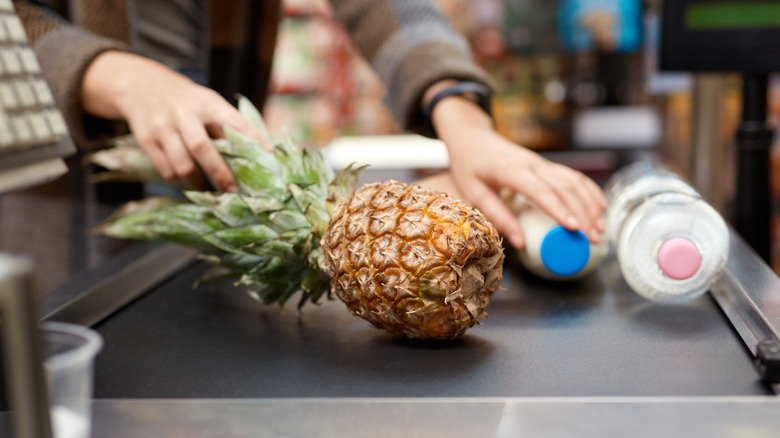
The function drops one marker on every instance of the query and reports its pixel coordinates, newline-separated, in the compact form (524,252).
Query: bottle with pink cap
(671,245)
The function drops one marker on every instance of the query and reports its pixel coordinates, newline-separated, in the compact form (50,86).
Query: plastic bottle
(551,251)
(670,244)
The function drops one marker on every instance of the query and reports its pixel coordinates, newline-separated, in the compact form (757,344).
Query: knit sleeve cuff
(410,82)
(64,55)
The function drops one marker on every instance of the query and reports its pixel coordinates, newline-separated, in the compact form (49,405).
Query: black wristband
(482,98)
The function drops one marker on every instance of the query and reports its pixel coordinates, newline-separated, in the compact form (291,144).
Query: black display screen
(733,15)
(720,36)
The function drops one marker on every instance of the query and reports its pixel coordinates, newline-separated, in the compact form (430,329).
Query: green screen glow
(734,15)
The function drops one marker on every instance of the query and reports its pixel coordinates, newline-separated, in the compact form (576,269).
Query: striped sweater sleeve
(64,51)
(411,45)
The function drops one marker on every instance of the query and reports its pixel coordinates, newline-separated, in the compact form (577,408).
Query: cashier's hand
(482,163)
(172,118)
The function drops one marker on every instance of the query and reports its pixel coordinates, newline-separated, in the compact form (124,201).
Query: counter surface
(591,338)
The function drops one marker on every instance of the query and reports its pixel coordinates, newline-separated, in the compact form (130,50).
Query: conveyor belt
(590,338)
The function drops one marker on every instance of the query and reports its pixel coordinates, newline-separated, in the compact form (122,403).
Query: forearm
(454,114)
(112,79)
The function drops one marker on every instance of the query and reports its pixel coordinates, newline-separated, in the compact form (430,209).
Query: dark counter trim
(98,294)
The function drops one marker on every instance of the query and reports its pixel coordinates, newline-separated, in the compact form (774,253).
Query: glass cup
(69,353)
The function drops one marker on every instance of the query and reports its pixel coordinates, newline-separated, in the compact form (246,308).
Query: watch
(477,93)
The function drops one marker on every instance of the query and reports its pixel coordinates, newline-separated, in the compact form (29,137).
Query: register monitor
(720,36)
(734,36)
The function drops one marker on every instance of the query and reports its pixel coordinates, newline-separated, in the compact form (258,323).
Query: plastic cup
(69,353)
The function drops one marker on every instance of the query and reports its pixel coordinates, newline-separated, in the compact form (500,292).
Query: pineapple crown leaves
(267,235)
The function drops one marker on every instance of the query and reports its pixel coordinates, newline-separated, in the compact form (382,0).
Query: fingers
(224,114)
(156,156)
(171,117)
(499,214)
(179,146)
(199,146)
(598,202)
(573,190)
(548,198)
(181,161)
(184,153)
(568,196)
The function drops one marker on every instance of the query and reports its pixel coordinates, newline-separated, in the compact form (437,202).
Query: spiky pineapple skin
(412,261)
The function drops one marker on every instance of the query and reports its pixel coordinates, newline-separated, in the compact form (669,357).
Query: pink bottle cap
(679,258)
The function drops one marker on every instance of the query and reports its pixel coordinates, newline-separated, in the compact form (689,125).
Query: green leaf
(124,161)
(274,281)
(343,185)
(312,206)
(276,248)
(256,170)
(304,167)
(251,113)
(317,169)
(259,205)
(288,219)
(290,160)
(184,224)
(241,239)
(229,208)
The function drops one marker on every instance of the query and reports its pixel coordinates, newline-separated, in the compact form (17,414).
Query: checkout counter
(588,358)
(580,359)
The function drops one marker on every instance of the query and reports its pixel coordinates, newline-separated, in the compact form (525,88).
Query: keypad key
(6,133)
(8,97)
(15,29)
(6,6)
(23,132)
(29,61)
(43,92)
(11,62)
(57,122)
(27,96)
(40,126)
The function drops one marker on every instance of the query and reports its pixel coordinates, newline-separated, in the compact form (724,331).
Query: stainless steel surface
(22,356)
(601,417)
(749,295)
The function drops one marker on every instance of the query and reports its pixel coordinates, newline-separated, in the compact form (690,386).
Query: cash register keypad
(28,116)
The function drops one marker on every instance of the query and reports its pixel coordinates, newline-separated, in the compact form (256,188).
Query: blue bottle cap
(565,252)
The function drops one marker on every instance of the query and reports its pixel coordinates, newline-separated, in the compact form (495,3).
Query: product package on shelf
(311,84)
(306,7)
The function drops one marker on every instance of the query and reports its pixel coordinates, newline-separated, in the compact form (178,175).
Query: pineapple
(410,260)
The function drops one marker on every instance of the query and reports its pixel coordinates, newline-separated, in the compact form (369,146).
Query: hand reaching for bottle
(172,118)
(483,163)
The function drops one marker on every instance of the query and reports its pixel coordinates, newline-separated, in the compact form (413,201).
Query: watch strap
(481,92)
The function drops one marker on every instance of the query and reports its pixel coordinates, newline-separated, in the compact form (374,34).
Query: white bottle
(552,251)
(670,244)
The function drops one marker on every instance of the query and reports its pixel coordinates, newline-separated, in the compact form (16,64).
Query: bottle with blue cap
(671,245)
(552,251)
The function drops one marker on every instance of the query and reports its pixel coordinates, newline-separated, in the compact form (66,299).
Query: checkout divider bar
(128,277)
(748,293)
